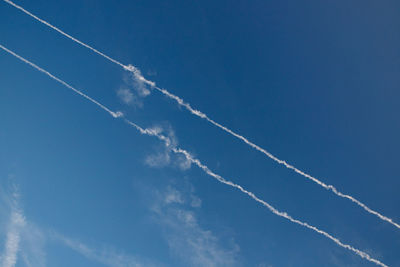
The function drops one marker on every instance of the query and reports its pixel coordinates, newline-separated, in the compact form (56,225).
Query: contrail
(167,142)
(63,33)
(112,113)
(202,115)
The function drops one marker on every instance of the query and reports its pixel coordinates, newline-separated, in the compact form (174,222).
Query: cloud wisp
(139,78)
(163,157)
(186,237)
(133,91)
(13,236)
(106,256)
(125,95)
(177,150)
(23,240)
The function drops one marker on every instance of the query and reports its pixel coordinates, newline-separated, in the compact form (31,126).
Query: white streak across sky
(112,113)
(167,142)
(198,113)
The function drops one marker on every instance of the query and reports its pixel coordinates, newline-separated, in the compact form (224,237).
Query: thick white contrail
(202,115)
(167,142)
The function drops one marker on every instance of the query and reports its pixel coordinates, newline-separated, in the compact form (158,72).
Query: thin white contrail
(202,115)
(112,113)
(167,142)
(63,33)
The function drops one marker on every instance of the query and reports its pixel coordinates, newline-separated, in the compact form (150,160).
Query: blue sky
(314,83)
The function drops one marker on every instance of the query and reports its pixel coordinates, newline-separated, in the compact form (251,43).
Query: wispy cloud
(138,83)
(186,238)
(172,196)
(195,201)
(33,243)
(194,244)
(106,256)
(133,90)
(17,221)
(23,241)
(13,230)
(158,159)
(164,155)
(125,95)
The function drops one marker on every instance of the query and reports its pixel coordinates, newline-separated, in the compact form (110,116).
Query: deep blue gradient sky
(314,82)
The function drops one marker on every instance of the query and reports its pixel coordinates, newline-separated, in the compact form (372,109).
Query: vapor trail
(202,115)
(112,113)
(63,33)
(167,142)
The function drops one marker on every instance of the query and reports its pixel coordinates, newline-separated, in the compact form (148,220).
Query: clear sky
(314,82)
